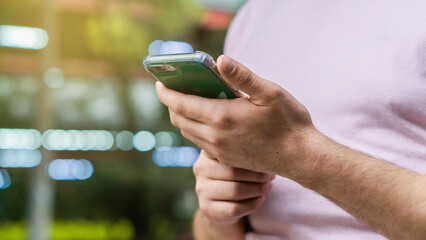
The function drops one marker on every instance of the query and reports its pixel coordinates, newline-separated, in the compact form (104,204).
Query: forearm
(267,133)
(204,229)
(389,199)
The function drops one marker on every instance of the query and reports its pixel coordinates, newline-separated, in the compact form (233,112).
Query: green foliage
(82,230)
(75,230)
(12,231)
(161,228)
(173,20)
(118,36)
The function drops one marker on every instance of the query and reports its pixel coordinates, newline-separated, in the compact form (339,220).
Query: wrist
(206,228)
(220,224)
(305,152)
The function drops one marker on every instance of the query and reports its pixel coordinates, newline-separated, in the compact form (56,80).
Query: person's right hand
(226,194)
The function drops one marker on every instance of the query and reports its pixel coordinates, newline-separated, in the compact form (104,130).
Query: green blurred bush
(75,230)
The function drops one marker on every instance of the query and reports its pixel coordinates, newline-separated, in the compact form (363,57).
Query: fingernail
(228,64)
(271,177)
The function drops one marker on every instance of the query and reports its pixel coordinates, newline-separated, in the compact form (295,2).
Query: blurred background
(86,148)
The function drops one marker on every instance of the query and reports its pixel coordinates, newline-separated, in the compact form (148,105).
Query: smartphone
(190,73)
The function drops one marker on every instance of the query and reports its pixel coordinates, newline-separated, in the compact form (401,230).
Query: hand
(269,131)
(227,194)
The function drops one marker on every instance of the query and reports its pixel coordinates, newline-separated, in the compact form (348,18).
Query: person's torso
(360,69)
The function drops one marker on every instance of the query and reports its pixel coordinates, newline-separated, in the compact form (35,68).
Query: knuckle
(217,120)
(199,189)
(183,133)
(275,94)
(179,106)
(198,167)
(303,111)
(215,140)
(173,119)
(222,119)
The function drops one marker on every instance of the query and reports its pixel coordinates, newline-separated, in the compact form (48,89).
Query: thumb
(243,79)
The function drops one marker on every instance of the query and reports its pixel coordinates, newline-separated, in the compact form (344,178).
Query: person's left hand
(269,131)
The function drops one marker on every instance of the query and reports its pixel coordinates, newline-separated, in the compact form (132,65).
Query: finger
(242,78)
(241,175)
(188,125)
(229,210)
(212,169)
(190,106)
(232,191)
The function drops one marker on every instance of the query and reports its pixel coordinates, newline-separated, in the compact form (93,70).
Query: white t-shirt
(360,69)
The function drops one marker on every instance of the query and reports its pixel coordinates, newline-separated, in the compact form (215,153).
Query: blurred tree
(117,36)
(121,37)
(125,185)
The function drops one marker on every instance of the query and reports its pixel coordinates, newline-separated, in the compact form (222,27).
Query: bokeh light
(23,37)
(89,140)
(54,78)
(70,169)
(76,140)
(144,141)
(84,140)
(89,96)
(145,102)
(14,158)
(166,139)
(124,140)
(4,179)
(19,139)
(175,156)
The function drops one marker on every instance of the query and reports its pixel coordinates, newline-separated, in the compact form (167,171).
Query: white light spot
(175,156)
(89,140)
(124,140)
(76,140)
(13,158)
(23,37)
(19,139)
(166,139)
(104,140)
(54,78)
(54,140)
(4,179)
(144,141)
(70,169)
